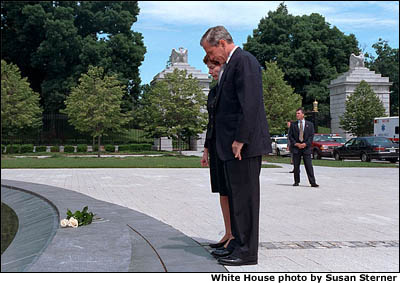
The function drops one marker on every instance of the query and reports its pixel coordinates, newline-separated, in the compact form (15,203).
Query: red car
(324,144)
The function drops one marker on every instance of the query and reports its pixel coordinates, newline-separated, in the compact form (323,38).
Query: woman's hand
(204,159)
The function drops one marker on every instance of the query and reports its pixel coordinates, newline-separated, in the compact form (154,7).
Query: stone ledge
(111,245)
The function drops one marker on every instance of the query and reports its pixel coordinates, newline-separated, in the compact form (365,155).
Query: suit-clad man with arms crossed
(242,137)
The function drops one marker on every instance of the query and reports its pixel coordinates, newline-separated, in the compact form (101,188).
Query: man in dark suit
(242,137)
(301,134)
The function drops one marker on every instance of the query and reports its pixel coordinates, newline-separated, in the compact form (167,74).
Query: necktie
(301,135)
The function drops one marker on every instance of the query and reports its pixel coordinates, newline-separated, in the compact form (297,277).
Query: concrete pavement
(349,223)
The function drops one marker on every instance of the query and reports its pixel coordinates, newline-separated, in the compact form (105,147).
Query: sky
(172,24)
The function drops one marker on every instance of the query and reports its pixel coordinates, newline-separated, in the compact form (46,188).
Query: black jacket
(308,136)
(211,115)
(239,112)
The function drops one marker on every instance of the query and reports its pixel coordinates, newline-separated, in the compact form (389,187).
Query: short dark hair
(207,60)
(300,109)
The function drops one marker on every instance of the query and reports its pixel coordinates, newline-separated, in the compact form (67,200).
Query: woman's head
(213,67)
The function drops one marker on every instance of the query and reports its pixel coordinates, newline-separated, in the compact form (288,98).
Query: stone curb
(124,241)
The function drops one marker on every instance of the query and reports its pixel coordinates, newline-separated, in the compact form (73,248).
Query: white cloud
(247,14)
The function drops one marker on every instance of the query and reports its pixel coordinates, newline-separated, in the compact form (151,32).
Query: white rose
(73,222)
(64,223)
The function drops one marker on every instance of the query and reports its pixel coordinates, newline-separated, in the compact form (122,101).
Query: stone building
(343,86)
(179,60)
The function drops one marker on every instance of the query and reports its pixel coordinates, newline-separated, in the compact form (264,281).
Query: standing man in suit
(242,137)
(301,134)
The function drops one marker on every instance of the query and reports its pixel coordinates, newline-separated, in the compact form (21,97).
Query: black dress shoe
(314,185)
(218,245)
(235,261)
(295,184)
(221,252)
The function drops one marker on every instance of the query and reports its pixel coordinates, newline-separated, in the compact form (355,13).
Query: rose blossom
(73,222)
(64,223)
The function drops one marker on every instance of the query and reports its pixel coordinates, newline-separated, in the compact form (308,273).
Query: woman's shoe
(218,245)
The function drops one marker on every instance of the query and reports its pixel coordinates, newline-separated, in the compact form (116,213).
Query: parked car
(367,148)
(324,144)
(279,146)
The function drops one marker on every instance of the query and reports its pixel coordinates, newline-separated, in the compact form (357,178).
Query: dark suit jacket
(211,115)
(240,113)
(308,136)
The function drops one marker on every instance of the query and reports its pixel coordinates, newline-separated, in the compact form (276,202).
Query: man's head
(288,123)
(218,43)
(300,114)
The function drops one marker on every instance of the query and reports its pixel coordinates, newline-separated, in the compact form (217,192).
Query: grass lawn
(332,163)
(62,161)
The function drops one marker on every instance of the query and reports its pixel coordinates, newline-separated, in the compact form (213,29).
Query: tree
(307,49)
(173,107)
(20,110)
(94,106)
(387,64)
(54,42)
(361,108)
(279,99)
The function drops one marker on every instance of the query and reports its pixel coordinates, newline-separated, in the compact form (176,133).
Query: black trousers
(243,182)
(307,164)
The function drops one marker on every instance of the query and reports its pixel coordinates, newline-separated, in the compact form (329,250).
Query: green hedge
(55,148)
(40,148)
(123,147)
(81,148)
(109,148)
(69,148)
(26,148)
(13,148)
(140,147)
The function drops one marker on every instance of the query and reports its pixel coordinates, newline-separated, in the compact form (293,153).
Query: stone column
(343,86)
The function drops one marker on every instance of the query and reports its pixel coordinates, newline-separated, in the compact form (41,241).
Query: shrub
(3,148)
(69,148)
(123,147)
(14,148)
(81,148)
(26,148)
(55,148)
(41,148)
(109,148)
(140,147)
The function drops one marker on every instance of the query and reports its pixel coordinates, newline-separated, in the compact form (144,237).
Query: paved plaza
(349,223)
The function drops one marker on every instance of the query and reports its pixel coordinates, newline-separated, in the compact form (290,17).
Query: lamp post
(314,115)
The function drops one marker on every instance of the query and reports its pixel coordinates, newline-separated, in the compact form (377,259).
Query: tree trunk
(98,148)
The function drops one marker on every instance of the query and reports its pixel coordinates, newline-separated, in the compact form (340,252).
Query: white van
(387,127)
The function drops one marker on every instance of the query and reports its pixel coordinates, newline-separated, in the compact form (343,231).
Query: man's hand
(204,159)
(300,145)
(237,148)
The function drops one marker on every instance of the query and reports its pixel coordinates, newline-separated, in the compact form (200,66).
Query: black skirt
(217,173)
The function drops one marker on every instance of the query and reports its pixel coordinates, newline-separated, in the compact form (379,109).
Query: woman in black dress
(210,156)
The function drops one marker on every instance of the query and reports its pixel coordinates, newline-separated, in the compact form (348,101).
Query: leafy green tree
(387,64)
(54,42)
(20,110)
(361,108)
(172,107)
(279,99)
(94,106)
(307,49)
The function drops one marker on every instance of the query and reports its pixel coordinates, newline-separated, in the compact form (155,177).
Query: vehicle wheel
(365,157)
(316,155)
(278,153)
(337,156)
